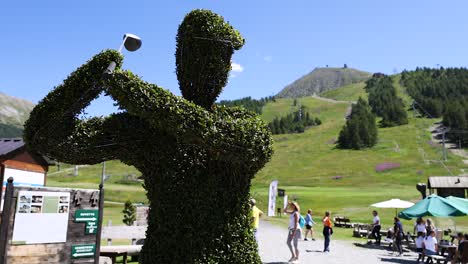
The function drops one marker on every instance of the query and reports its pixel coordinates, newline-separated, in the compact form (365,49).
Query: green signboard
(83,215)
(89,217)
(83,251)
(91,228)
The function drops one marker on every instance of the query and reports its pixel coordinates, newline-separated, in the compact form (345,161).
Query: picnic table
(341,221)
(437,258)
(447,248)
(362,230)
(116,251)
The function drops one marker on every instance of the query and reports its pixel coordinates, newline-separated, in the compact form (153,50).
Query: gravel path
(273,250)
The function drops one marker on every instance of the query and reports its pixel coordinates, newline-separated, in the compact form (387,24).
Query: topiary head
(205,44)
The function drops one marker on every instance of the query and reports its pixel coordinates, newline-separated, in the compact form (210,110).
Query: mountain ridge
(13,113)
(320,80)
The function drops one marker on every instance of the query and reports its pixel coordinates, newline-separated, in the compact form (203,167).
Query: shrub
(129,213)
(197,159)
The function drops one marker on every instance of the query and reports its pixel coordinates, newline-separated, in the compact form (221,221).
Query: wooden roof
(436,182)
(12,146)
(8,145)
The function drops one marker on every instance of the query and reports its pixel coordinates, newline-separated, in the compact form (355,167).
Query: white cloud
(268,58)
(236,67)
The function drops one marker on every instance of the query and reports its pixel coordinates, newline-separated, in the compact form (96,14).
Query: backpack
(301,221)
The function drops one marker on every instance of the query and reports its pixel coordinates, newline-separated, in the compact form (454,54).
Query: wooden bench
(136,234)
(437,258)
(341,221)
(361,230)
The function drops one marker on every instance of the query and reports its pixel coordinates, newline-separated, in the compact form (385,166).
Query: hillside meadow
(313,170)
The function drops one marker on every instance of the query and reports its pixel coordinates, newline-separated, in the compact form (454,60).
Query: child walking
(309,223)
(419,246)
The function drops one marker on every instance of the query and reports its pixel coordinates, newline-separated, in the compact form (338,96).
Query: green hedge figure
(129,213)
(197,159)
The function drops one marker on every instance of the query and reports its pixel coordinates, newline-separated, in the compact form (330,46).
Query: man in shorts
(256,213)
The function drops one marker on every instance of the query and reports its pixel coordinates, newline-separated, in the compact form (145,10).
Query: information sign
(83,251)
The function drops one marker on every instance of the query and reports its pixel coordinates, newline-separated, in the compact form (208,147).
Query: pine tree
(384,101)
(360,130)
(129,213)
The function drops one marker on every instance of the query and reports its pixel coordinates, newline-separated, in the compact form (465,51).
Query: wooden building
(27,169)
(448,185)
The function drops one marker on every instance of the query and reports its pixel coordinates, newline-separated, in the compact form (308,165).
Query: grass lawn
(345,182)
(350,92)
(312,170)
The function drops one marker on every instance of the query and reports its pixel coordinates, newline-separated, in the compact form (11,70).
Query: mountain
(309,166)
(13,113)
(323,79)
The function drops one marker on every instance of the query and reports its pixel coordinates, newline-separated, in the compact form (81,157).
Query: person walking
(256,214)
(294,230)
(376,227)
(327,231)
(399,234)
(309,222)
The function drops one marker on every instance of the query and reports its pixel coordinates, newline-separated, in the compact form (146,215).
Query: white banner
(272,198)
(24,178)
(285,201)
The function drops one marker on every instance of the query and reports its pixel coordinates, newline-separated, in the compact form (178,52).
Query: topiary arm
(54,128)
(232,134)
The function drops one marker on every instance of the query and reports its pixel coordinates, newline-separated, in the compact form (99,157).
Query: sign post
(90,218)
(83,251)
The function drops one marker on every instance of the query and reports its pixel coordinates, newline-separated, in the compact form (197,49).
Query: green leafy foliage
(197,159)
(360,130)
(384,101)
(248,103)
(205,44)
(295,122)
(441,92)
(129,213)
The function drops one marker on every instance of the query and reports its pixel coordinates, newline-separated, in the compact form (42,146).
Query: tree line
(384,101)
(441,92)
(295,122)
(249,103)
(360,130)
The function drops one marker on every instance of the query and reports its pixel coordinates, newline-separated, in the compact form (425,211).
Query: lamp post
(131,43)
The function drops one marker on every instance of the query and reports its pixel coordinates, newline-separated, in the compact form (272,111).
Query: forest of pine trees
(441,93)
(384,101)
(295,122)
(249,103)
(360,130)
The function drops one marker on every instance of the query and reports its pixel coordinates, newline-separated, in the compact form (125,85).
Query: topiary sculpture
(197,159)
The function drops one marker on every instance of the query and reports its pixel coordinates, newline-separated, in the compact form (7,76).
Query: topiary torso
(197,159)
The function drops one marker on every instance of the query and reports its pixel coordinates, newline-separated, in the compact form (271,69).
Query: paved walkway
(273,250)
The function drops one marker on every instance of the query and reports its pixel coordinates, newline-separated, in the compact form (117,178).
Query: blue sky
(43,41)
